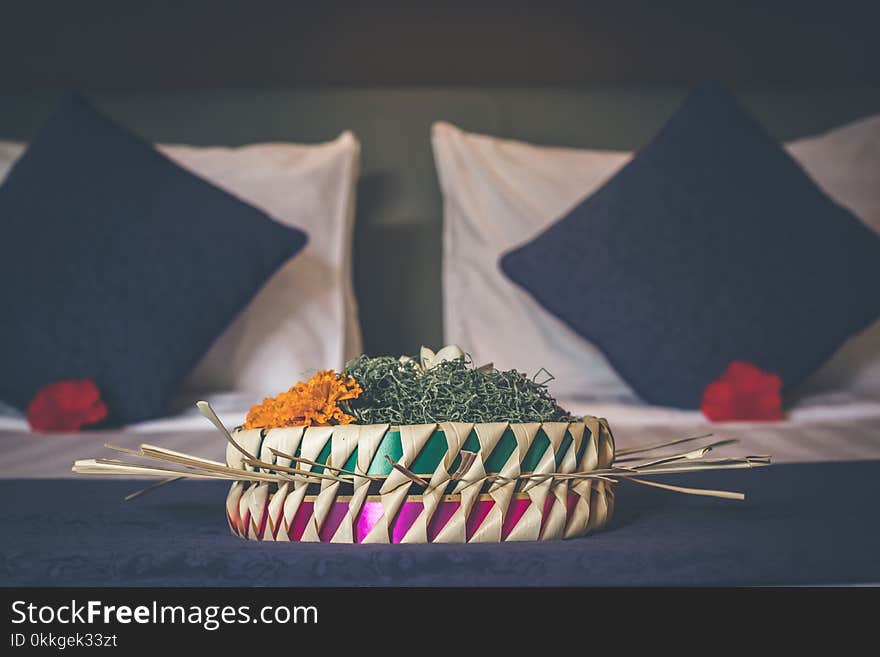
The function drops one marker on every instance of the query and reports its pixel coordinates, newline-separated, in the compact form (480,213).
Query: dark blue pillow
(710,245)
(120,266)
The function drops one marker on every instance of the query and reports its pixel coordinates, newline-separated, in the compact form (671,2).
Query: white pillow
(305,317)
(500,193)
(845,163)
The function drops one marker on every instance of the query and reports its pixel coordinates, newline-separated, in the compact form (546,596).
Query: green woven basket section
(435,449)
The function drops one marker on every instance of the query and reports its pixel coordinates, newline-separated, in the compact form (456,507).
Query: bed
(808,519)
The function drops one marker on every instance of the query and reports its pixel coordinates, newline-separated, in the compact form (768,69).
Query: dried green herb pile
(398,392)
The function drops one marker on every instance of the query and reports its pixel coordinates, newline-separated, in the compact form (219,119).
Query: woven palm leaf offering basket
(432,450)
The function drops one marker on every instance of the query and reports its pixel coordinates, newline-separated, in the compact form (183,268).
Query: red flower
(66,406)
(743,392)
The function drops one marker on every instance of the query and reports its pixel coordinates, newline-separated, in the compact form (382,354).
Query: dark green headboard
(398,230)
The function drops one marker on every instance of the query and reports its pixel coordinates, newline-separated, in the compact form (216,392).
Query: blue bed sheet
(801,524)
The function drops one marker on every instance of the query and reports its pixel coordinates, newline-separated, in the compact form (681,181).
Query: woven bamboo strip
(278,493)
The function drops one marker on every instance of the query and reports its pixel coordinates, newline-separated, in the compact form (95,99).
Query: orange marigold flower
(313,403)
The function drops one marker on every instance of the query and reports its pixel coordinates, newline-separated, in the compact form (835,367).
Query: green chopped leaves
(398,392)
